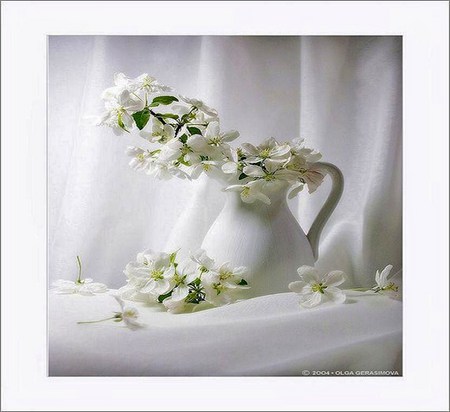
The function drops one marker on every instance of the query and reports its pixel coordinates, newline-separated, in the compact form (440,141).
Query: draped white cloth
(343,94)
(266,336)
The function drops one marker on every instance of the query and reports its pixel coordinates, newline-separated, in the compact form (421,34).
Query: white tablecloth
(269,335)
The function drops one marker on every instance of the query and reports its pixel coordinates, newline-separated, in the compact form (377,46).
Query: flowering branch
(191,143)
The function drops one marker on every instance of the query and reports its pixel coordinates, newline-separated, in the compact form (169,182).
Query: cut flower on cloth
(386,286)
(128,315)
(314,289)
(86,287)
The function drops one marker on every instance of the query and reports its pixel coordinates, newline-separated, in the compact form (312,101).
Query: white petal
(272,165)
(313,179)
(234,188)
(377,279)
(254,171)
(212,130)
(230,168)
(310,300)
(174,306)
(179,293)
(85,291)
(334,278)
(261,196)
(97,287)
(149,287)
(186,267)
(250,198)
(198,143)
(119,301)
(281,151)
(334,294)
(384,274)
(294,192)
(230,136)
(300,287)
(249,148)
(308,274)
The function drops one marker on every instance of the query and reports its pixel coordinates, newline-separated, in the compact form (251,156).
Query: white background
(424,26)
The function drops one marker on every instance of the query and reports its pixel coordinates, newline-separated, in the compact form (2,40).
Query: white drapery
(343,94)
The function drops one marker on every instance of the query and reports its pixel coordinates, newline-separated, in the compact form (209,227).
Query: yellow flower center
(391,286)
(318,287)
(225,275)
(215,141)
(218,288)
(130,314)
(179,279)
(157,274)
(265,153)
(245,191)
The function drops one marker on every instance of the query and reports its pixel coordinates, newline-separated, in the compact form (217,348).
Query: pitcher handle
(337,180)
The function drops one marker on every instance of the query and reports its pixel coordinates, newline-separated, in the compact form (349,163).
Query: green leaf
(141,118)
(168,116)
(242,176)
(243,282)
(172,257)
(183,138)
(196,282)
(187,117)
(165,100)
(194,130)
(162,297)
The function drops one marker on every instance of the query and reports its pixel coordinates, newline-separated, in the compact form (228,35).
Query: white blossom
(160,133)
(314,289)
(269,149)
(128,314)
(385,285)
(148,84)
(186,273)
(204,262)
(200,105)
(81,286)
(222,283)
(250,192)
(85,287)
(151,275)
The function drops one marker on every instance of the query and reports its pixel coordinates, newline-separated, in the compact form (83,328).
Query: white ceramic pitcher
(267,239)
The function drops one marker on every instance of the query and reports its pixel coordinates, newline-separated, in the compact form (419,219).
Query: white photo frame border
(424,27)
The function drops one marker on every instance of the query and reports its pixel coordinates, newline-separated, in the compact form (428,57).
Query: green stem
(134,94)
(96,321)
(79,269)
(361,289)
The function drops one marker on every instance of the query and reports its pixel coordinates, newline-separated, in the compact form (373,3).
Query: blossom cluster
(158,277)
(270,165)
(189,142)
(186,131)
